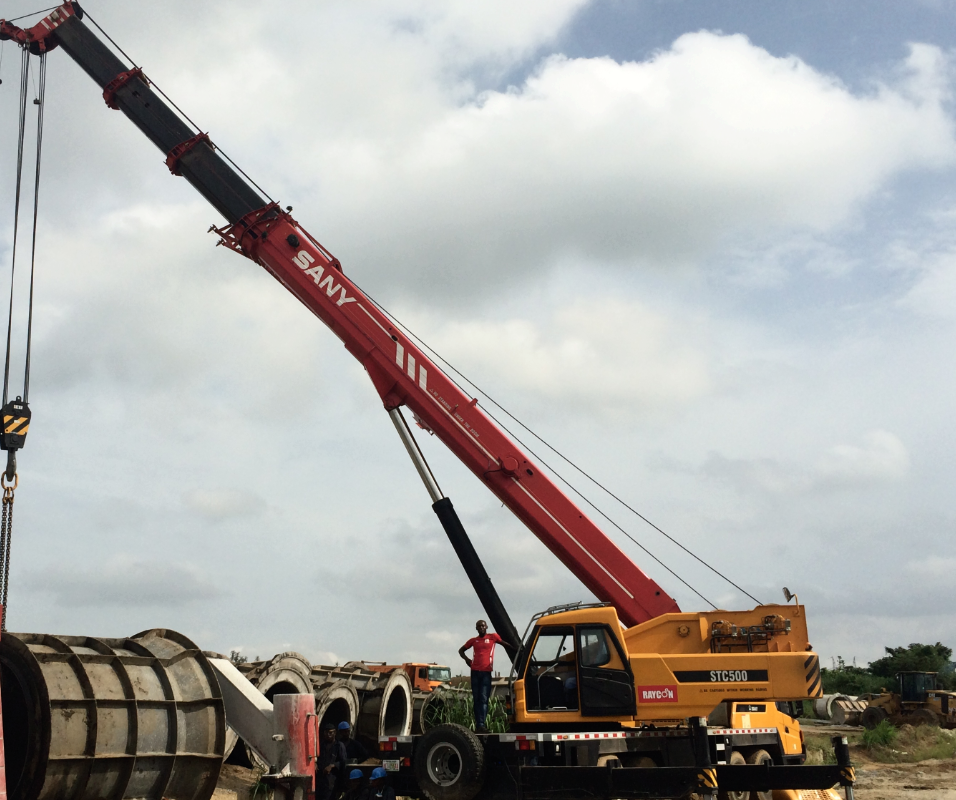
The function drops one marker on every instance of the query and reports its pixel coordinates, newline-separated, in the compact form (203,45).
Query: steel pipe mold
(98,719)
(387,709)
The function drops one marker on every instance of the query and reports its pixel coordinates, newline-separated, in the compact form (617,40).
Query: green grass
(457,706)
(883,735)
(910,744)
(820,750)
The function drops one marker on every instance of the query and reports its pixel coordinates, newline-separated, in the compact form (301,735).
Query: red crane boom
(401,372)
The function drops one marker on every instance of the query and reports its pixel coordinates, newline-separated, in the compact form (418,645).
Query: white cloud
(623,162)
(881,457)
(220,504)
(176,384)
(604,353)
(125,581)
(933,567)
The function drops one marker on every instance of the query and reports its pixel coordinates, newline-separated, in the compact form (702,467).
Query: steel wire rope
(557,474)
(181,112)
(33,246)
(564,458)
(24,82)
(6,517)
(32,13)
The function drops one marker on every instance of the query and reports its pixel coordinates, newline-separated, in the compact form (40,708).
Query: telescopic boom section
(402,374)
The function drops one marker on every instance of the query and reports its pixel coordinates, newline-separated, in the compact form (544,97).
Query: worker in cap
(353,786)
(377,788)
(481,663)
(355,752)
(330,763)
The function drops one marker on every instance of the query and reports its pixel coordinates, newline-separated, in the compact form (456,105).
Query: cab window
(593,647)
(552,646)
(551,682)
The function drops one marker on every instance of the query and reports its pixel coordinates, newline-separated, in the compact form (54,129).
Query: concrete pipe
(429,709)
(823,706)
(98,719)
(335,702)
(364,680)
(284,673)
(387,708)
(419,700)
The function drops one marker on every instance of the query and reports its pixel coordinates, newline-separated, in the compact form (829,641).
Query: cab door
(606,683)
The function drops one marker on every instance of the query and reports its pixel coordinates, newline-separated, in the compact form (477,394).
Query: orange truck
(424,677)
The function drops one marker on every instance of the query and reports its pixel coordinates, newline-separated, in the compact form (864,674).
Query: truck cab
(424,677)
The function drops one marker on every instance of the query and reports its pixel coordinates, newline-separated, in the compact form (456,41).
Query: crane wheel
(736,760)
(759,757)
(873,716)
(450,763)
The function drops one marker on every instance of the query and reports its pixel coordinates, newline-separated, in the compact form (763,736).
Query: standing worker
(330,764)
(355,751)
(483,652)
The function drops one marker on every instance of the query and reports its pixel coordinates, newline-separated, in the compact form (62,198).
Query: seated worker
(355,752)
(377,789)
(353,787)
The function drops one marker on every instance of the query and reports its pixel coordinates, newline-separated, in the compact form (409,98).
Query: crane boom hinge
(109,92)
(172,160)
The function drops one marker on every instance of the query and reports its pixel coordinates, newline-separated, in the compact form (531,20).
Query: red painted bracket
(39,38)
(109,93)
(172,160)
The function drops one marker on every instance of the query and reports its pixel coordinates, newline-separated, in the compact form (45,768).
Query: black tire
(450,763)
(873,716)
(736,760)
(923,716)
(760,757)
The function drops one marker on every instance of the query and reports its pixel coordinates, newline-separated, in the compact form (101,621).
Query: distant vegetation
(881,674)
(908,744)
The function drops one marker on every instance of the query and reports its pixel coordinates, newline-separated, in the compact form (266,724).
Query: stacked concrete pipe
(428,706)
(284,673)
(839,709)
(374,703)
(105,719)
(336,701)
(384,698)
(386,708)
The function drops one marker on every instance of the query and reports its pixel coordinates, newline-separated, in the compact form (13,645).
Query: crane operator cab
(574,671)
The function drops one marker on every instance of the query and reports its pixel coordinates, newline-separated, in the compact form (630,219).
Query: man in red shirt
(481,663)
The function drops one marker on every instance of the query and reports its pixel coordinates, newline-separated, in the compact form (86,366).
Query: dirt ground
(927,780)
(236,783)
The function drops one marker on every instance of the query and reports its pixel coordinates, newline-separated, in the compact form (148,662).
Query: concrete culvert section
(335,702)
(98,719)
(284,673)
(387,708)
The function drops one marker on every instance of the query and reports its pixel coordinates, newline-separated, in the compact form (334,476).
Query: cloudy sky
(706,251)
